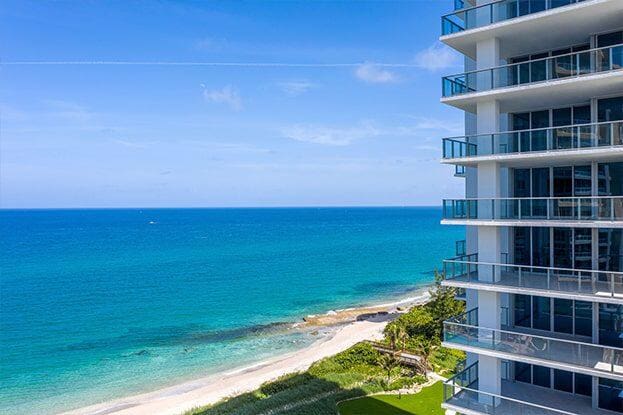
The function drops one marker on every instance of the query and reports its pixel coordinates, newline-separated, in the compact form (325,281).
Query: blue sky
(338,129)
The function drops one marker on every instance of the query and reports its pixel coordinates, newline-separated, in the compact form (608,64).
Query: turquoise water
(100,304)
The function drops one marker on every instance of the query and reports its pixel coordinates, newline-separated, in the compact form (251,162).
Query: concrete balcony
(465,334)
(572,284)
(524,26)
(566,144)
(547,82)
(579,212)
(461,394)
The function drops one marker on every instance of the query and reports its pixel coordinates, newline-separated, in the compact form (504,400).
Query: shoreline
(351,325)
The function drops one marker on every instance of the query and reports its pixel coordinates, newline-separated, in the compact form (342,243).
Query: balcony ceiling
(556,28)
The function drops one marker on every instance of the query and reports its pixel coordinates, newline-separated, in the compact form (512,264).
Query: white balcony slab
(545,94)
(466,402)
(549,158)
(525,348)
(535,223)
(533,283)
(550,29)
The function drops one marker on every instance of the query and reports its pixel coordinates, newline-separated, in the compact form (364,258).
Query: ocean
(100,304)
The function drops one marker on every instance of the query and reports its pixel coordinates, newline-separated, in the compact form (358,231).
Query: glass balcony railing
(460,247)
(459,171)
(538,70)
(462,391)
(496,11)
(598,208)
(465,331)
(564,280)
(571,137)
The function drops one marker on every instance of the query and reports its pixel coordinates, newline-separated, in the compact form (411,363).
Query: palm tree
(388,363)
(397,335)
(425,347)
(401,337)
(392,332)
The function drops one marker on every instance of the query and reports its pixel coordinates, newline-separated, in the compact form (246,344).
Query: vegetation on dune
(354,372)
(362,370)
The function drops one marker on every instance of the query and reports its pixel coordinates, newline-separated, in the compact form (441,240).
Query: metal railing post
(548,208)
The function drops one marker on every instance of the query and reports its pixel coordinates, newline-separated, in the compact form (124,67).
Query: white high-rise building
(541,267)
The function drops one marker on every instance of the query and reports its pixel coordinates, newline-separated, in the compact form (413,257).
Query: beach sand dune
(358,325)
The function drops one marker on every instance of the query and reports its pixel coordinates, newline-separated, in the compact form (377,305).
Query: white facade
(542,160)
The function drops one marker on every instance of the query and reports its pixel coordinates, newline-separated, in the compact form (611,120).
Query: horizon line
(225,64)
(221,207)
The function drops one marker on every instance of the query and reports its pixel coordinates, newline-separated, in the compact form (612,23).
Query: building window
(610,109)
(611,325)
(611,395)
(563,181)
(583,251)
(610,179)
(541,313)
(541,376)
(523,316)
(583,384)
(522,246)
(610,39)
(563,380)
(570,316)
(611,250)
(563,247)
(563,315)
(523,372)
(540,247)
(583,318)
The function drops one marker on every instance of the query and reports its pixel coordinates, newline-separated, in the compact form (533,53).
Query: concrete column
(471,173)
(489,309)
(471,299)
(489,250)
(489,378)
(595,396)
(595,337)
(489,238)
(489,368)
(488,120)
(487,56)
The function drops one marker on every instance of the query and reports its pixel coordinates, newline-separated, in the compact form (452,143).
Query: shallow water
(100,304)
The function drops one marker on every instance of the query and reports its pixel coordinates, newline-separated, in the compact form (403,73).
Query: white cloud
(227,95)
(295,88)
(330,136)
(442,125)
(131,144)
(371,73)
(437,57)
(210,44)
(69,111)
(429,130)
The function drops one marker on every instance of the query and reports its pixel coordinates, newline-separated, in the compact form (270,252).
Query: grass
(426,402)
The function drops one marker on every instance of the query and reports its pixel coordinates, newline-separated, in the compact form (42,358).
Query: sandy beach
(351,326)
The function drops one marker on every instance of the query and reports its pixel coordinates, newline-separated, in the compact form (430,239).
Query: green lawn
(426,402)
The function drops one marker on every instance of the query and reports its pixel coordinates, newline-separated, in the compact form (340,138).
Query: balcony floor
(575,404)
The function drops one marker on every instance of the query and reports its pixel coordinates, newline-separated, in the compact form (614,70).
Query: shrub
(360,354)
